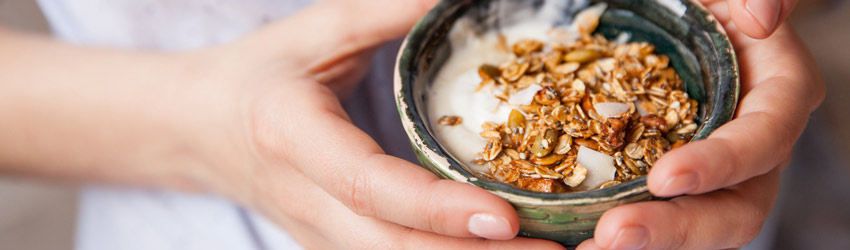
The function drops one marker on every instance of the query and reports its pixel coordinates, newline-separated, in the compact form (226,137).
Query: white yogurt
(453,89)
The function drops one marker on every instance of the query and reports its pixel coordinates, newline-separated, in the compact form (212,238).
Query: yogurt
(453,92)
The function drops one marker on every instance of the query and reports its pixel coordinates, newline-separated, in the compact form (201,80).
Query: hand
(312,171)
(756,18)
(731,178)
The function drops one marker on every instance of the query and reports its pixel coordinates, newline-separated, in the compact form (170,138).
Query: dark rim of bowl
(416,42)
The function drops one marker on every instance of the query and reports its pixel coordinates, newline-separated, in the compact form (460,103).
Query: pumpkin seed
(544,143)
(548,160)
(488,72)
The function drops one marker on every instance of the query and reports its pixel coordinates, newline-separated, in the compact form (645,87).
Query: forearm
(104,115)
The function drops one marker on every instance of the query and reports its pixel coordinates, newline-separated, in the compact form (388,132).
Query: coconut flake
(600,167)
(623,37)
(525,96)
(611,109)
(640,109)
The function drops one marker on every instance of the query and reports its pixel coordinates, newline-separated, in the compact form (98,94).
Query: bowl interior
(697,46)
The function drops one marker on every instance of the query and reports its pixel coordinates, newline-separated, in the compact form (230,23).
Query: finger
(338,28)
(770,119)
(723,219)
(415,239)
(760,62)
(760,18)
(750,145)
(319,219)
(755,18)
(589,244)
(351,167)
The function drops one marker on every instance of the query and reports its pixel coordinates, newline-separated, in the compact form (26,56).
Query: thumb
(760,18)
(333,29)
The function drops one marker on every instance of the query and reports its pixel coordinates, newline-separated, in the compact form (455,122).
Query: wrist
(220,88)
(133,118)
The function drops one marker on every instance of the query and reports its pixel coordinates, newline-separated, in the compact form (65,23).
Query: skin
(259,121)
(731,195)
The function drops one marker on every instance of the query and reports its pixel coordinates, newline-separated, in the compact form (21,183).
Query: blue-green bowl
(683,30)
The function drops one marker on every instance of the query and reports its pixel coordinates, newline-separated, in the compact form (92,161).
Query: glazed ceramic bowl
(699,51)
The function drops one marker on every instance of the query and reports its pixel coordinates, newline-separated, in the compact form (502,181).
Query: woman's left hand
(730,180)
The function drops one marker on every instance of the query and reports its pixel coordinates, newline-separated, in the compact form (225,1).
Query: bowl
(683,30)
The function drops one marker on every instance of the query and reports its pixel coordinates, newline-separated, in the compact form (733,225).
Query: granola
(621,100)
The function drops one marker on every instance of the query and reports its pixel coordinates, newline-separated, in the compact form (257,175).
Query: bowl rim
(426,143)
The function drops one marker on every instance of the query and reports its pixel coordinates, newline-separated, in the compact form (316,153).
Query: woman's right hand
(308,168)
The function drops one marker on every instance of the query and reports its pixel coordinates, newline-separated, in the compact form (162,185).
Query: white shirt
(125,218)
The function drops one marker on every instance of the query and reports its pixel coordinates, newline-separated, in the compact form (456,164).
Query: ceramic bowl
(699,51)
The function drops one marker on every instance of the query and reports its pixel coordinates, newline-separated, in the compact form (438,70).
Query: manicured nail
(490,226)
(631,238)
(766,12)
(679,184)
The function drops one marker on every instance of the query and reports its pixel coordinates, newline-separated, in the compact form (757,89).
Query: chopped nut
(575,176)
(653,121)
(540,185)
(615,131)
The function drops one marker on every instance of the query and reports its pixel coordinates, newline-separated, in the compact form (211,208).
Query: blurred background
(813,210)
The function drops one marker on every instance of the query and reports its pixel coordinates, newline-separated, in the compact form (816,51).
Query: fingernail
(766,12)
(490,226)
(679,184)
(630,238)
